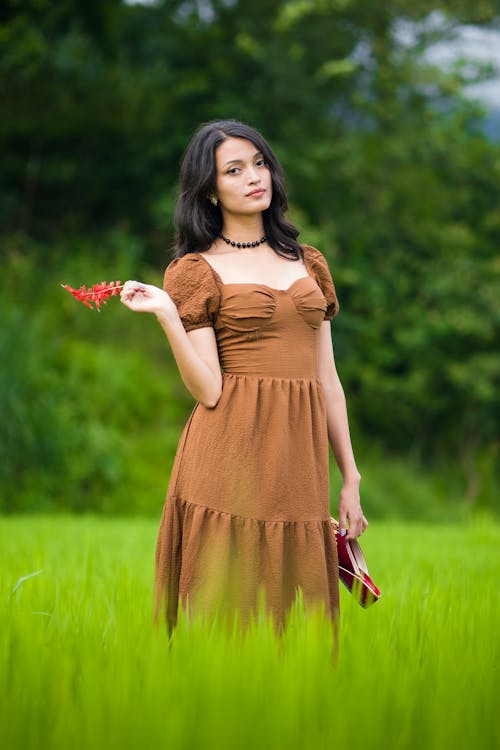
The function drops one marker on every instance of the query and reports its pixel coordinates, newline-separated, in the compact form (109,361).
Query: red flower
(96,295)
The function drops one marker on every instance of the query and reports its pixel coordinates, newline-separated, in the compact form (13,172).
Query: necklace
(242,244)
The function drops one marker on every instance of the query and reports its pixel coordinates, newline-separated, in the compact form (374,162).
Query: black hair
(198,222)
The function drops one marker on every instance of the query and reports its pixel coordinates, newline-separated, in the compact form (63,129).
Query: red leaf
(98,294)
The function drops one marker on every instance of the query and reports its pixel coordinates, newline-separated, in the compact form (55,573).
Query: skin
(241,171)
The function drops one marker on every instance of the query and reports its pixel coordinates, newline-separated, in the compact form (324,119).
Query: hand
(141,297)
(350,513)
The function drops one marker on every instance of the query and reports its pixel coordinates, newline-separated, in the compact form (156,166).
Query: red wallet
(353,570)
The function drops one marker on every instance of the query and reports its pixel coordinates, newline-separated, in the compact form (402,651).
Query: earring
(214,200)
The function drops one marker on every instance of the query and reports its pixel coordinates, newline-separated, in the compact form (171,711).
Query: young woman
(247,310)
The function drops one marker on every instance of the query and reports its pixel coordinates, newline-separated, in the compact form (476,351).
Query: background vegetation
(81,666)
(390,175)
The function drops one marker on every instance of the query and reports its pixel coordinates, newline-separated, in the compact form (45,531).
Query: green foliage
(421,295)
(102,98)
(91,421)
(81,665)
(389,174)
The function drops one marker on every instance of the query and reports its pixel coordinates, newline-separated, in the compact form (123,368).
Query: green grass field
(83,667)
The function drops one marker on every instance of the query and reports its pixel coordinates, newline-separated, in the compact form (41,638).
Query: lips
(256,193)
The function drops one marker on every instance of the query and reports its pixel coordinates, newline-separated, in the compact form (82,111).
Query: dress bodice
(260,330)
(271,332)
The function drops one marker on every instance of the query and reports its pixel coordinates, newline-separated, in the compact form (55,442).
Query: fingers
(351,518)
(130,289)
(342,523)
(357,526)
(133,286)
(352,521)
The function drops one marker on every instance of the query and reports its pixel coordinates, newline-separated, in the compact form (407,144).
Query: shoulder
(314,257)
(189,272)
(318,266)
(191,262)
(190,283)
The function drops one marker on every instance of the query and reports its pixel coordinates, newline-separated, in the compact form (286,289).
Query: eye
(260,163)
(233,170)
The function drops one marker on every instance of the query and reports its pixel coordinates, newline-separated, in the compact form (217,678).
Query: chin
(261,204)
(258,208)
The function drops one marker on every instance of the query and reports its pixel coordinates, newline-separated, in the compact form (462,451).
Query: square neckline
(256,283)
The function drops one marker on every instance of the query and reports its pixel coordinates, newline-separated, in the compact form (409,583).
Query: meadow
(83,667)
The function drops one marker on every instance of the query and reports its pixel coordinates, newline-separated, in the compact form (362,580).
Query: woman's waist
(266,376)
(263,362)
(280,370)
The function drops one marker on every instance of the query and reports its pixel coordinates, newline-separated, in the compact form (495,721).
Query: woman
(246,310)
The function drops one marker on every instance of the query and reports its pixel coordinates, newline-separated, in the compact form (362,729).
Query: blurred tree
(102,97)
(387,166)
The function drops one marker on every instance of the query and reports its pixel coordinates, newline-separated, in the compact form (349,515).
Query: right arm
(195,352)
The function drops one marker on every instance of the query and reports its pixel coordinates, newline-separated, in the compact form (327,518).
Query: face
(243,184)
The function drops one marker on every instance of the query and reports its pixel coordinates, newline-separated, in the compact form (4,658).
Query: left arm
(350,512)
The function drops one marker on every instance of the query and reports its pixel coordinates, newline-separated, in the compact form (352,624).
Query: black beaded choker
(243,244)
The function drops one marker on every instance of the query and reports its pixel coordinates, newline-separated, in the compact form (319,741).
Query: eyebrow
(240,161)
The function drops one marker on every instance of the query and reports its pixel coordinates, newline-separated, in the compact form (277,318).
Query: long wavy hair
(198,222)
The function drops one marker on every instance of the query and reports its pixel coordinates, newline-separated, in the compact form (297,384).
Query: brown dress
(246,519)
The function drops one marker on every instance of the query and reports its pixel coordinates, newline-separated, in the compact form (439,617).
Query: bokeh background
(386,116)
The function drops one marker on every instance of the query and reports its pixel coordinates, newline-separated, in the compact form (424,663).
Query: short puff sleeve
(190,282)
(318,265)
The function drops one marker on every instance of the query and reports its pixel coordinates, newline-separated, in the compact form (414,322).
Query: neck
(243,229)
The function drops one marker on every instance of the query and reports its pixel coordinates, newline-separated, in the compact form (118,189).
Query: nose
(253,175)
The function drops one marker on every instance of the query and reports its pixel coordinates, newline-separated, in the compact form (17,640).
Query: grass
(82,667)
